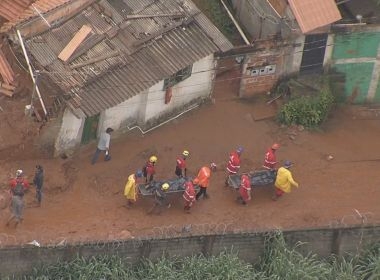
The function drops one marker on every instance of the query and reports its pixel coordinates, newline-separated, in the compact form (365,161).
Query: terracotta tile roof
(42,6)
(6,71)
(12,9)
(311,14)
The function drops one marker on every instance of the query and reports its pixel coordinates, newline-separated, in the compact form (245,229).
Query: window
(178,77)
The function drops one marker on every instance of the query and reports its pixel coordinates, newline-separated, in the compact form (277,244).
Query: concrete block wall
(249,246)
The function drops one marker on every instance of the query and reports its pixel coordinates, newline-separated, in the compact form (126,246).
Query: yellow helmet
(153,159)
(185,153)
(165,186)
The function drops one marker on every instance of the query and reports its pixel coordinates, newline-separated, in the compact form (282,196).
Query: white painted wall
(123,115)
(70,133)
(199,84)
(141,108)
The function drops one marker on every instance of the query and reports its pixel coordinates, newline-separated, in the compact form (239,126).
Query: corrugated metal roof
(151,49)
(12,9)
(311,14)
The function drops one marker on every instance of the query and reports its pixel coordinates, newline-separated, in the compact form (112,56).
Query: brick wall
(262,69)
(250,246)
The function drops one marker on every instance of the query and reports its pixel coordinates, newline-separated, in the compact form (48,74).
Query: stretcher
(176,185)
(258,178)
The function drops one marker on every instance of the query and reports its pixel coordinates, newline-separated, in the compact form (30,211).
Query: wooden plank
(75,42)
(95,59)
(7,86)
(6,92)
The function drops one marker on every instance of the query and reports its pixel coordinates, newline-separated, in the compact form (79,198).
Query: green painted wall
(356,45)
(357,79)
(377,95)
(354,55)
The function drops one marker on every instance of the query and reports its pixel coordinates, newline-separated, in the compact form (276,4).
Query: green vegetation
(309,111)
(214,10)
(279,262)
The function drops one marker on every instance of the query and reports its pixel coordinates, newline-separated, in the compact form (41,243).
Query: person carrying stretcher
(160,198)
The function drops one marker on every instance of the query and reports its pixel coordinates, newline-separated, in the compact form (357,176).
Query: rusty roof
(12,9)
(121,58)
(6,71)
(311,14)
(30,11)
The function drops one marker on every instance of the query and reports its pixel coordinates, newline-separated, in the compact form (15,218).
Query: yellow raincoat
(130,191)
(284,180)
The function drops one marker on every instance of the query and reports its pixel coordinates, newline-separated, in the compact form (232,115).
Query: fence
(248,245)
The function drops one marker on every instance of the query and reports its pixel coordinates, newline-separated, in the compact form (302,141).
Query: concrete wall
(196,87)
(260,21)
(123,115)
(146,109)
(249,246)
(70,134)
(356,56)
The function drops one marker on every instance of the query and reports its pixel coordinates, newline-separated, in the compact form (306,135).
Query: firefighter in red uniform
(244,190)
(233,164)
(18,187)
(148,169)
(180,169)
(188,196)
(270,157)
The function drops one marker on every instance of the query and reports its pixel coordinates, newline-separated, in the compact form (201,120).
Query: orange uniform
(203,177)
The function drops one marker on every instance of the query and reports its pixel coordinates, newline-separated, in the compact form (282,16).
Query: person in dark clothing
(38,182)
(160,198)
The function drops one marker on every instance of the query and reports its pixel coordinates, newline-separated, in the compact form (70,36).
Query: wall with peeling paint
(356,55)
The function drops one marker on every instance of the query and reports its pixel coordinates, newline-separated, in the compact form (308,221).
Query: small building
(118,63)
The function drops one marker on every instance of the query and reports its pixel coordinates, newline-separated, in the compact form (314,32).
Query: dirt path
(84,202)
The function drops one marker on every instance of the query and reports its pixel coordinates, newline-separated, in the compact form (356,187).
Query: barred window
(178,77)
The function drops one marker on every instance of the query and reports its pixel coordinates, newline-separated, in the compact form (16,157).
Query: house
(118,63)
(312,36)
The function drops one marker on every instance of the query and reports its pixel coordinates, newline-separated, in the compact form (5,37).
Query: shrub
(308,111)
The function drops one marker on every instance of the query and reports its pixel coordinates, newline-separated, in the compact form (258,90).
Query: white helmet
(19,173)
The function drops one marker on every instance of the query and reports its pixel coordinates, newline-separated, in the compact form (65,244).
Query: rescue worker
(38,182)
(130,189)
(270,157)
(188,196)
(244,190)
(284,180)
(233,164)
(18,187)
(180,169)
(149,170)
(203,180)
(103,146)
(160,198)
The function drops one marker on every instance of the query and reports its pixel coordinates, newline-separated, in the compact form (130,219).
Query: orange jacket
(203,177)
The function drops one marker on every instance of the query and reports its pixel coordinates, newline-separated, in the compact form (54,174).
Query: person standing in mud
(18,187)
(180,168)
(284,181)
(103,146)
(38,182)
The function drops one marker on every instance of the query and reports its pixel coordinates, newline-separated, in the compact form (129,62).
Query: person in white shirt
(103,146)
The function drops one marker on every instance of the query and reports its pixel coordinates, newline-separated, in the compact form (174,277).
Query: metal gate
(313,53)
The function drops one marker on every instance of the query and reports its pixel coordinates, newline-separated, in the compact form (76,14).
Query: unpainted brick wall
(253,85)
